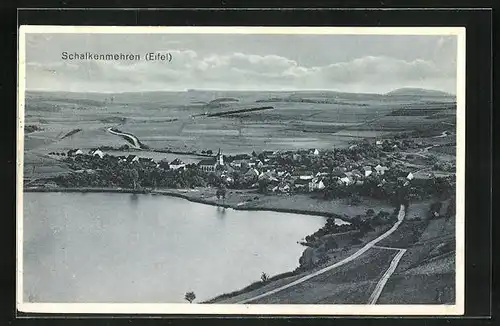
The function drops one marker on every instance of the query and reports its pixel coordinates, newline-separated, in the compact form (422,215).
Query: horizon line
(446,93)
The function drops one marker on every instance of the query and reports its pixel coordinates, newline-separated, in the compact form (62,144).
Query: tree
(221,193)
(263,183)
(190,296)
(264,277)
(134,176)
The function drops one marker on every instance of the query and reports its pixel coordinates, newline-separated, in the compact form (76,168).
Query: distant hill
(407,91)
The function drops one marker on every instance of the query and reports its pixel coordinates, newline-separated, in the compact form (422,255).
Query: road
(381,283)
(354,256)
(129,136)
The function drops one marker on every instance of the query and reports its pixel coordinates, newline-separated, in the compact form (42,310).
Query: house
(269,176)
(73,152)
(269,153)
(241,157)
(164,164)
(227,178)
(132,158)
(284,187)
(381,169)
(337,173)
(146,160)
(368,170)
(238,163)
(410,176)
(379,142)
(357,174)
(316,152)
(98,152)
(280,173)
(250,174)
(316,184)
(347,180)
(300,184)
(177,164)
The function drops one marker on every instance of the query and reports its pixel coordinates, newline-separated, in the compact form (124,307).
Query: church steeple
(220,158)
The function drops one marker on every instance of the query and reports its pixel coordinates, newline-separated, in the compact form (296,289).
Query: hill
(407,91)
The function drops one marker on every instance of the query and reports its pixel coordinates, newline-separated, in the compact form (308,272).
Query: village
(380,169)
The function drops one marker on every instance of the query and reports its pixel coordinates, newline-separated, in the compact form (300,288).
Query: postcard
(241,170)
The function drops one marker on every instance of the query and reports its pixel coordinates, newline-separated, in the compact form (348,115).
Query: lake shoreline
(197,197)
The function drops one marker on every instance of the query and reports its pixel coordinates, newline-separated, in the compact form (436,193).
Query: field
(168,120)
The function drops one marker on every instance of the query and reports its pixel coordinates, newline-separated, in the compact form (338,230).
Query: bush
(355,241)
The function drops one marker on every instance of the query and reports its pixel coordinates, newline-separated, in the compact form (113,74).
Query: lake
(105,247)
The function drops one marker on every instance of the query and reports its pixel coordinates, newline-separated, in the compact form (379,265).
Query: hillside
(408,91)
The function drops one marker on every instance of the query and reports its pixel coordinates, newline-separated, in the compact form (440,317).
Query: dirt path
(354,256)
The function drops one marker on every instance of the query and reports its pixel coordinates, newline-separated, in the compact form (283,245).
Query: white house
(316,152)
(379,142)
(346,180)
(176,164)
(316,184)
(98,152)
(78,152)
(284,188)
(132,158)
(368,171)
(252,172)
(381,169)
(410,176)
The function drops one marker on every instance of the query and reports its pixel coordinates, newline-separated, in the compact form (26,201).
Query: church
(211,164)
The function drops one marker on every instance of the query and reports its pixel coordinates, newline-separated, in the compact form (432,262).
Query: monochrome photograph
(241,170)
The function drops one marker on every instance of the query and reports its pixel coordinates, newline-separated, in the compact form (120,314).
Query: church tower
(220,158)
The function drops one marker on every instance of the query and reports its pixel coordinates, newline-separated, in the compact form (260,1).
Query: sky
(347,63)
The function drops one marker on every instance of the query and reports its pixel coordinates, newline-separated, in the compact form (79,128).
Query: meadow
(177,121)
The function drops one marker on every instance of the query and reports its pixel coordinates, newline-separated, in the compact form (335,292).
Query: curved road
(354,256)
(129,136)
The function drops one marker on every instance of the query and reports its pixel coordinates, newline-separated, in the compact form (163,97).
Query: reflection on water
(103,247)
(221,211)
(134,198)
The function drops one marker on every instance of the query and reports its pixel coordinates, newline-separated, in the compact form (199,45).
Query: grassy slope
(352,283)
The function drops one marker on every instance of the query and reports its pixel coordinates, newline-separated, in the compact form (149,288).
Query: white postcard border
(251,309)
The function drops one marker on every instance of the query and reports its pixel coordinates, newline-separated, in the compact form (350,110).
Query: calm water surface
(102,247)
